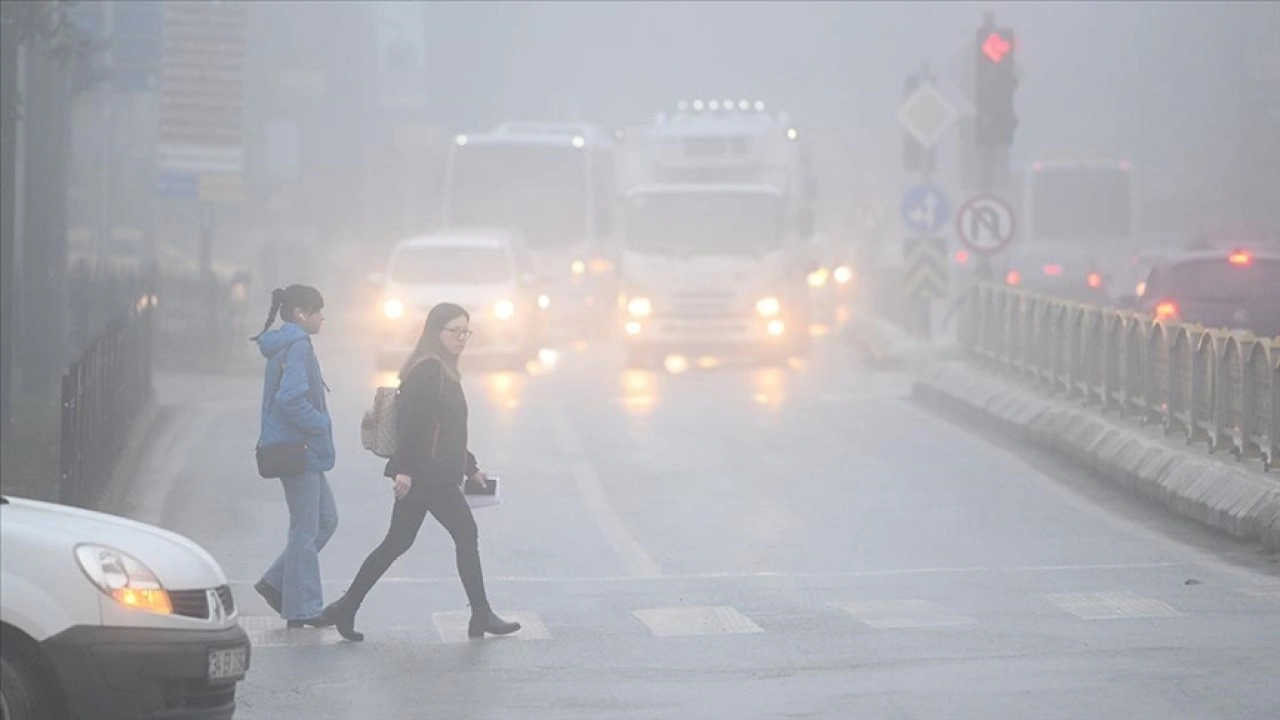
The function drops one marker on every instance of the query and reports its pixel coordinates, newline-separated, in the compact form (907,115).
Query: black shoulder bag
(281,460)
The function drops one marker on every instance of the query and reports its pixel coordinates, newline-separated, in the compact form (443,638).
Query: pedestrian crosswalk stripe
(1111,605)
(898,614)
(452,625)
(686,621)
(1264,592)
(271,631)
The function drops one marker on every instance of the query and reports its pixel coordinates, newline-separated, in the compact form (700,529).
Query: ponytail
(286,302)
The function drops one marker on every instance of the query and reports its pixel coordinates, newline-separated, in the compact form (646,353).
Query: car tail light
(1053,270)
(962,257)
(1167,310)
(1240,258)
(1094,280)
(1013,278)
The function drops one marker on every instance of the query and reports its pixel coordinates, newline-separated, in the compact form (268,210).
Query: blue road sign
(178,185)
(925,209)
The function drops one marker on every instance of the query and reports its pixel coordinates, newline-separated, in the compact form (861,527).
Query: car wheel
(24,691)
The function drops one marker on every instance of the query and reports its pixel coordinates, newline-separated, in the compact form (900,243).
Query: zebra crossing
(677,621)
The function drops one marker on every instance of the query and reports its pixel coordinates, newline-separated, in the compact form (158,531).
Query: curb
(1241,502)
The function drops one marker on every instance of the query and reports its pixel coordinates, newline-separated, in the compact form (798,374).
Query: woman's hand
(401,485)
(481,478)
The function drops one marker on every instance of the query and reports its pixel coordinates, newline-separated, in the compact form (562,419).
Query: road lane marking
(271,631)
(1111,606)
(590,489)
(452,579)
(452,625)
(898,614)
(688,621)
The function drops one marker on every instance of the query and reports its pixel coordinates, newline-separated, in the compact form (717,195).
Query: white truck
(717,210)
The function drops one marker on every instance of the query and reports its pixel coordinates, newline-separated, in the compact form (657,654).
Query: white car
(105,618)
(488,272)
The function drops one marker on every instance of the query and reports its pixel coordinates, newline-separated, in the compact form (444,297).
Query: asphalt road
(734,542)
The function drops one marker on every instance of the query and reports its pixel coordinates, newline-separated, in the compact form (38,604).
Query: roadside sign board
(925,209)
(926,115)
(927,275)
(985,224)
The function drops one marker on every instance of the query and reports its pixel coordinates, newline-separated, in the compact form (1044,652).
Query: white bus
(554,184)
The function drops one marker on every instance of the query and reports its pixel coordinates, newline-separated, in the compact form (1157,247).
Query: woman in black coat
(428,467)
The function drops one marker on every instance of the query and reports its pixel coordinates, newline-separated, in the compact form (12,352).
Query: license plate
(228,663)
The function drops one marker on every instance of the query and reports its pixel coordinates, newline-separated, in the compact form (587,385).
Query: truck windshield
(450,266)
(540,190)
(704,223)
(1081,203)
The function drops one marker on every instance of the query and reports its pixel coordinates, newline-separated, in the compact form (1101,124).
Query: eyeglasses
(459,333)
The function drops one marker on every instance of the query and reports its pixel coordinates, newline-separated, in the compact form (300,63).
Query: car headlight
(544,301)
(818,278)
(639,307)
(123,578)
(393,308)
(504,309)
(768,306)
(843,274)
(578,267)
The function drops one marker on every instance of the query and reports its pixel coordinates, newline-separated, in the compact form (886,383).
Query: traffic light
(995,80)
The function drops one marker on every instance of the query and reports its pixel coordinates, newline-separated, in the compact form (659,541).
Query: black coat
(431,427)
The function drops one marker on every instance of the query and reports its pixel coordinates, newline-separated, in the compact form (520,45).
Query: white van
(105,618)
(489,272)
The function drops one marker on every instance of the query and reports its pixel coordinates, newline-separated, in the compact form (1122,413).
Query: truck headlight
(818,278)
(578,267)
(843,274)
(639,307)
(504,309)
(544,301)
(124,579)
(393,308)
(768,306)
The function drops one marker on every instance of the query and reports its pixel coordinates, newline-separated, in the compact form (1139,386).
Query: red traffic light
(996,47)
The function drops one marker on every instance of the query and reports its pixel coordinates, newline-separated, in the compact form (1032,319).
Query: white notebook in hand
(478,497)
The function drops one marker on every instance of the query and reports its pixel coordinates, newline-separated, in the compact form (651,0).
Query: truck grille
(697,304)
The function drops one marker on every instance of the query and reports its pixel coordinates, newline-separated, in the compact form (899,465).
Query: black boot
(486,622)
(342,614)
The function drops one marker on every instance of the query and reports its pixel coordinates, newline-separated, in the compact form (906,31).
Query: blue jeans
(313,516)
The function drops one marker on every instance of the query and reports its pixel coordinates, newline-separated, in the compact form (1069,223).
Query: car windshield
(704,223)
(1219,280)
(1081,203)
(539,190)
(450,266)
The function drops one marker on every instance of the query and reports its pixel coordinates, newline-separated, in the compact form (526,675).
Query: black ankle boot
(342,613)
(486,622)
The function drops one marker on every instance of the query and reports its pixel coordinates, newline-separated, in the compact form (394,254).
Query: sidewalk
(168,434)
(1216,490)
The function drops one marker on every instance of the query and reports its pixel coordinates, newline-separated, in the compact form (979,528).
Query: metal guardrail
(1214,386)
(102,394)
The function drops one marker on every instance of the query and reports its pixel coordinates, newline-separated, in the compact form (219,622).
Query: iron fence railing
(103,393)
(1214,386)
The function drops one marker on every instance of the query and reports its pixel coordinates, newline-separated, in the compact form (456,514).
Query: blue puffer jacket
(293,404)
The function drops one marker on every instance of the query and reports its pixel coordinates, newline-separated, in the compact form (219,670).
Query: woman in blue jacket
(294,411)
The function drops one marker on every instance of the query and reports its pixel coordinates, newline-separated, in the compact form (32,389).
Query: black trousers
(446,502)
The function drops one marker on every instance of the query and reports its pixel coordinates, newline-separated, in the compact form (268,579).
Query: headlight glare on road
(768,307)
(504,309)
(639,307)
(123,578)
(393,308)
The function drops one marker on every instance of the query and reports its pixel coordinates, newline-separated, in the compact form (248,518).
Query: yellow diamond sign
(926,115)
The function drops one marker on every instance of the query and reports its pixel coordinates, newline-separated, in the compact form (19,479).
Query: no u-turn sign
(985,224)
